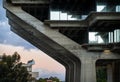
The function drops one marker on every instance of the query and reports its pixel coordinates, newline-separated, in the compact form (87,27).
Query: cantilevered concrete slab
(67,23)
(96,21)
(79,63)
(100,21)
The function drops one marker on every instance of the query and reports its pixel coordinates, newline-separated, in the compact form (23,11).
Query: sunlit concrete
(79,62)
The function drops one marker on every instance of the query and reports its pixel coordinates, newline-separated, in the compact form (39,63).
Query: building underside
(65,38)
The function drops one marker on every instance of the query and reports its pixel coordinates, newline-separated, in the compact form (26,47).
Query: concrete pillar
(117,72)
(70,73)
(109,73)
(88,70)
(67,77)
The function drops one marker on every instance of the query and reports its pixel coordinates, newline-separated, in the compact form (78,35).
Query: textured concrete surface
(79,63)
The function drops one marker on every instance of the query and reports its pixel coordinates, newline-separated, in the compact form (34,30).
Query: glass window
(100,8)
(94,37)
(117,35)
(118,8)
(54,15)
(84,16)
(63,16)
(58,15)
(110,37)
(71,18)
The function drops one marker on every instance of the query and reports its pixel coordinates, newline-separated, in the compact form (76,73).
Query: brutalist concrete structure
(67,40)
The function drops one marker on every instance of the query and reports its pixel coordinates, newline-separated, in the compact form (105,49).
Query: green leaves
(50,78)
(11,69)
(101,75)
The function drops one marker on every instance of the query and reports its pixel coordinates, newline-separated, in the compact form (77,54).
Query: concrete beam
(22,2)
(105,17)
(66,23)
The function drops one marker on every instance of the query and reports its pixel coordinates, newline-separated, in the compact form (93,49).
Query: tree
(41,80)
(101,75)
(11,69)
(54,79)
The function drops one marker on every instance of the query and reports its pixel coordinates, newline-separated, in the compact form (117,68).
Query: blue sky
(10,42)
(7,36)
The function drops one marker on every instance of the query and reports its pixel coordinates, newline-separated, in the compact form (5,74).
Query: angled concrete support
(42,41)
(72,74)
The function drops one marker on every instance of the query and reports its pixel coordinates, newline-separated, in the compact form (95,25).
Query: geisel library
(62,29)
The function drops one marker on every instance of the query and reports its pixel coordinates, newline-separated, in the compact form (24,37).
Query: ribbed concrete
(79,63)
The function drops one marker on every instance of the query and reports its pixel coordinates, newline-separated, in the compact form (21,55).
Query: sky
(10,43)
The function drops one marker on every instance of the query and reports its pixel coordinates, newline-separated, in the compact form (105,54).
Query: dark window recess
(41,12)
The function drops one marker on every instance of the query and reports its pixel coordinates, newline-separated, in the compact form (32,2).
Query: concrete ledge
(113,47)
(21,2)
(66,23)
(94,20)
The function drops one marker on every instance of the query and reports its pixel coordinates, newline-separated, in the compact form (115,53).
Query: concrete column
(88,70)
(70,73)
(116,72)
(109,73)
(67,77)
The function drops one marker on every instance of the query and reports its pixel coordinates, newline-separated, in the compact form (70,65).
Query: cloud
(44,73)
(4,23)
(8,37)
(45,65)
(2,12)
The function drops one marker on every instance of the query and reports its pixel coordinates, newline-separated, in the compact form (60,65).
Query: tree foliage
(101,75)
(11,69)
(54,79)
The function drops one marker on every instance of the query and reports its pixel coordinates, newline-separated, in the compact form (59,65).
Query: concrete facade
(80,63)
(28,65)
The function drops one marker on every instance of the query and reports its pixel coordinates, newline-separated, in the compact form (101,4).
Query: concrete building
(61,29)
(29,68)
(49,81)
(29,65)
